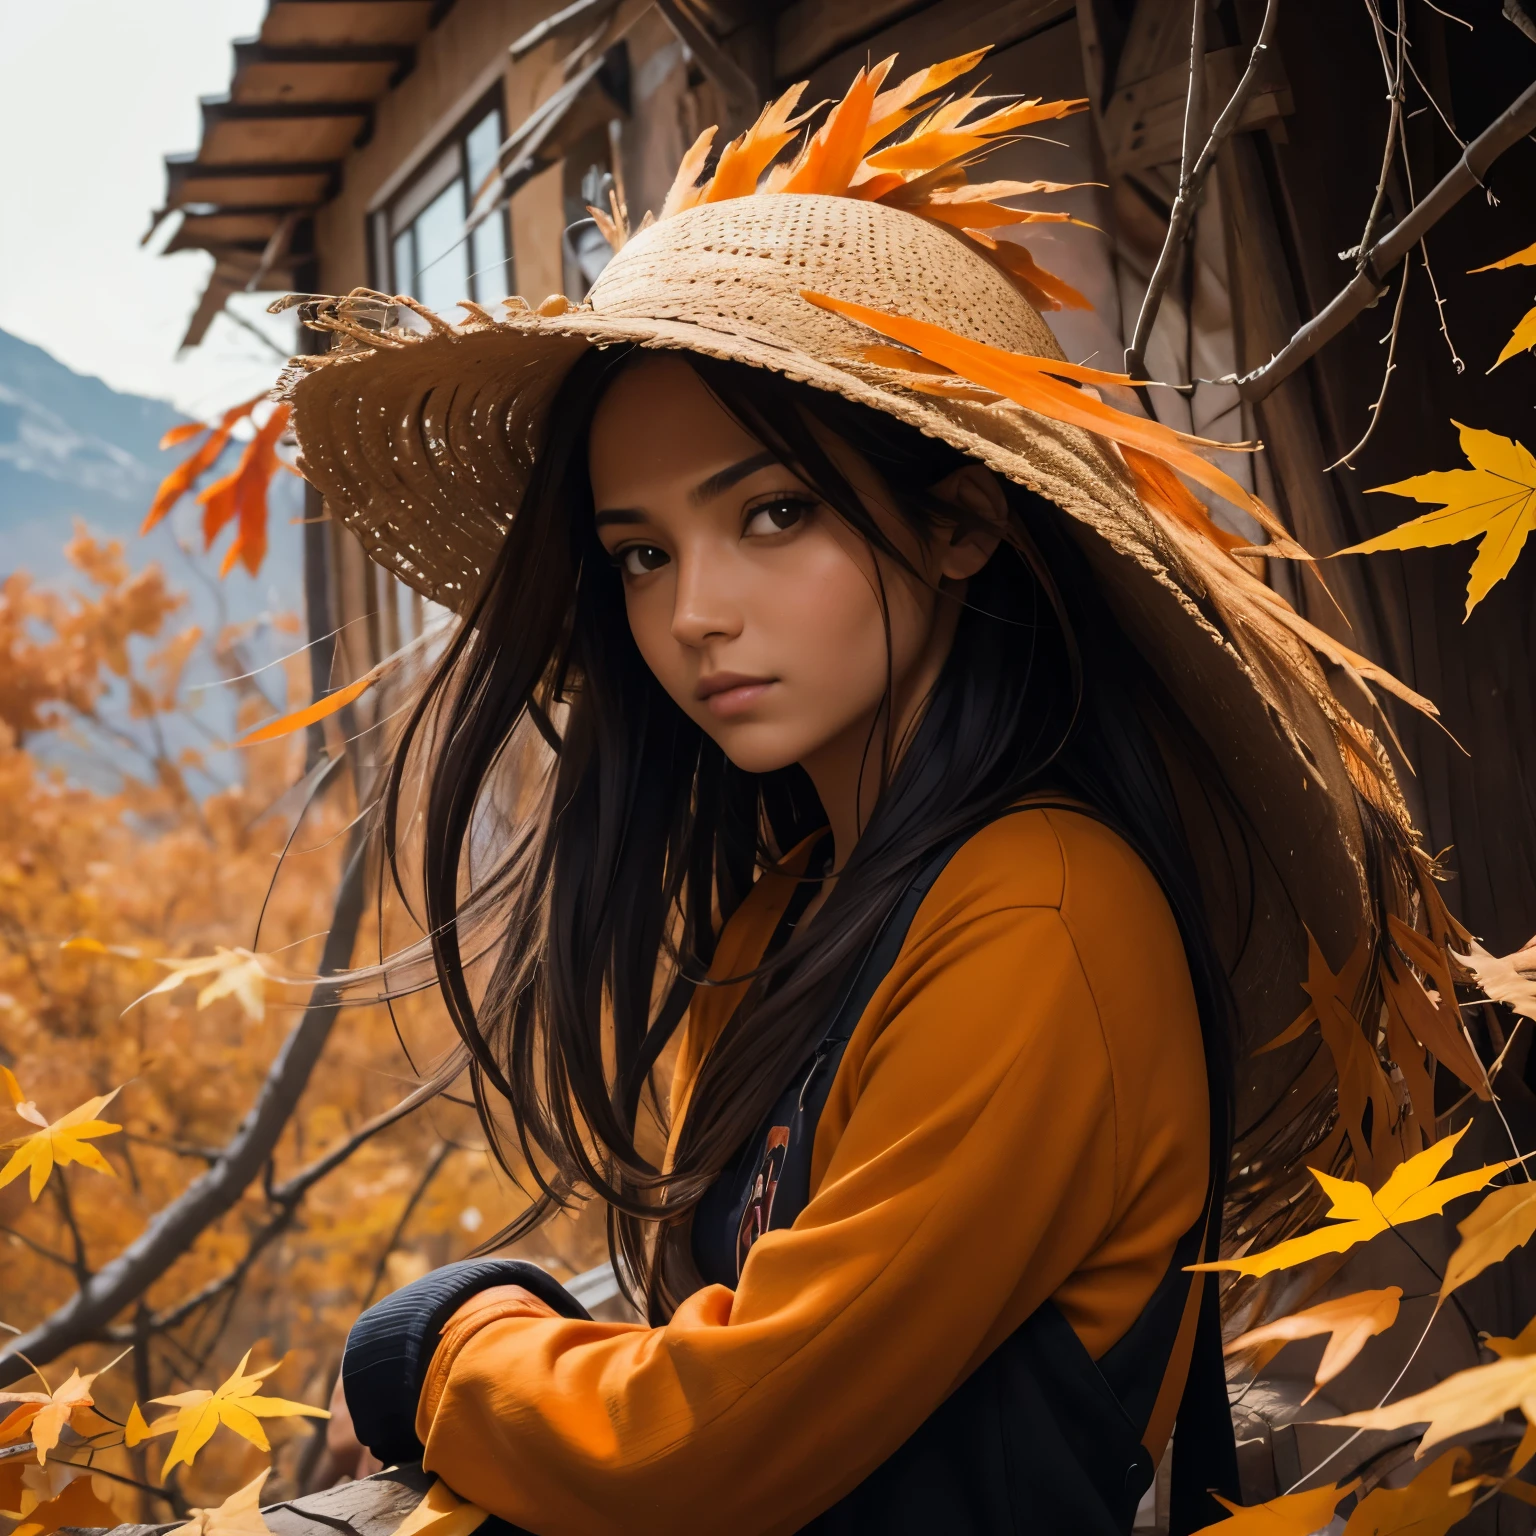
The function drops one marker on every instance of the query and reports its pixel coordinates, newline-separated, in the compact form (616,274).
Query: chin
(759,749)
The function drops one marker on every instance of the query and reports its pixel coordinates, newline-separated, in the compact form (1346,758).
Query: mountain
(72,447)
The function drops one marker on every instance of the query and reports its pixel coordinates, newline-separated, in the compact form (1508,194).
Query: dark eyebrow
(618,515)
(726,478)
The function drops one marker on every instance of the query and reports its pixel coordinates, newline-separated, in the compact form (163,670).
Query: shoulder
(1047,857)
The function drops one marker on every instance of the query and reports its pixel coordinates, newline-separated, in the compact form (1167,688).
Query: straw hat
(421,442)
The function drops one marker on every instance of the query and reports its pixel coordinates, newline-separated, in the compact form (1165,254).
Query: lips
(732,693)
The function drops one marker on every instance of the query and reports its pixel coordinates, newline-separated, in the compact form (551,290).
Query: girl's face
(758,609)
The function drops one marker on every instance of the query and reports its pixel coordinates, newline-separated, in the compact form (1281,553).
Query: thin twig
(1511,126)
(1192,175)
(1386,378)
(81,1264)
(38,1249)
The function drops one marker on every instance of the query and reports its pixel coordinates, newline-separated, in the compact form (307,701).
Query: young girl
(930,771)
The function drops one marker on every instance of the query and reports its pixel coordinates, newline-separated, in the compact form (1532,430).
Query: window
(430,256)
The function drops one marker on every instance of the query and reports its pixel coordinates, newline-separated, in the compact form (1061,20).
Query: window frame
(445,165)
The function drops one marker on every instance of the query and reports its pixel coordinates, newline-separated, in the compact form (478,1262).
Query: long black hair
(599,913)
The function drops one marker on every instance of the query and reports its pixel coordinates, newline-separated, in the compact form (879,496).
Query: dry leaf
(441,1513)
(1348,1321)
(1413,1192)
(236,973)
(1292,1514)
(242,495)
(1467,1400)
(1436,1027)
(1429,1506)
(46,1413)
(238,1515)
(65,1141)
(235,1404)
(78,1506)
(189,471)
(1507,979)
(1521,258)
(1493,501)
(1503,1221)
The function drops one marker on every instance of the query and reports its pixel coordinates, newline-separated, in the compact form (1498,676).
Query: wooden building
(361,138)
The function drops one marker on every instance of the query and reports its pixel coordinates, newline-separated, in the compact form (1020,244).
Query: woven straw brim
(423,447)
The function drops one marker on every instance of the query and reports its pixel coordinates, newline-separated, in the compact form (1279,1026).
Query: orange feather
(1034,383)
(1163,491)
(685,191)
(745,158)
(828,162)
(894,108)
(945,137)
(1043,289)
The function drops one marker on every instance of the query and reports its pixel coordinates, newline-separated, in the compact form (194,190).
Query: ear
(974,490)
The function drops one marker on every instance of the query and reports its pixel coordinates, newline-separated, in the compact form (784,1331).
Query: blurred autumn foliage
(109,867)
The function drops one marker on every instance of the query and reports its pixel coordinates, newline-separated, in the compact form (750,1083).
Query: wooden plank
(262,140)
(1143,123)
(294,23)
(265,81)
(936,32)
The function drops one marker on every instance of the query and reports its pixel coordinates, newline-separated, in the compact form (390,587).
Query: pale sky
(92,94)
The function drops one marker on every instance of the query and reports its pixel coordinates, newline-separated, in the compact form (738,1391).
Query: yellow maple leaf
(1347,1320)
(1504,1220)
(238,1515)
(1292,1514)
(1413,1192)
(1429,1506)
(199,1412)
(1493,501)
(63,1141)
(441,1513)
(1521,258)
(1523,339)
(1467,1400)
(236,973)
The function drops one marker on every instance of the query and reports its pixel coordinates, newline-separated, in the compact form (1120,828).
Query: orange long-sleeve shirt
(1020,1115)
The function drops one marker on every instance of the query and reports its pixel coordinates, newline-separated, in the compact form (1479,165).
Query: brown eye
(641,559)
(778,515)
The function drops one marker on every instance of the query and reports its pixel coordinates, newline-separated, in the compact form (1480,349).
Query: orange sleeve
(1020,1115)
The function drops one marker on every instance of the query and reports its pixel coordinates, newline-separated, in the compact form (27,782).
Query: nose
(703,604)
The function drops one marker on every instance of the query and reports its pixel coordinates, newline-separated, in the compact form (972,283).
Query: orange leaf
(243,494)
(299,718)
(1428,1506)
(1348,1321)
(77,1507)
(1523,339)
(828,161)
(189,471)
(180,434)
(1292,1514)
(1033,382)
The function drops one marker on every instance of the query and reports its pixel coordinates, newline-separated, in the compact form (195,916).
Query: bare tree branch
(1192,174)
(287,1197)
(1368,284)
(1517,13)
(176,1228)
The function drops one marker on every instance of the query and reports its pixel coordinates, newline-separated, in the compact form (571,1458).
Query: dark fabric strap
(391,1345)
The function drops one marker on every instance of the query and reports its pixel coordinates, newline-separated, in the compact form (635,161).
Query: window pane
(404,275)
(490,254)
(480,149)
(442,253)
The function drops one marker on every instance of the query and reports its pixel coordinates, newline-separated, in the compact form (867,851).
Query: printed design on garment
(759,1211)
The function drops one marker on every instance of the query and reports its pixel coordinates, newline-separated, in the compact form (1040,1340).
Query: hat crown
(741,266)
